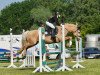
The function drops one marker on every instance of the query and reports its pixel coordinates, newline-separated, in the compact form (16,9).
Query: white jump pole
(12,64)
(64,66)
(33,53)
(80,49)
(41,66)
(78,65)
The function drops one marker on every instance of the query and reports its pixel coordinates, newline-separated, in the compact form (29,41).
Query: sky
(4,3)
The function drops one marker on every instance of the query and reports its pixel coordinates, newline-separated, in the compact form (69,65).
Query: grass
(92,67)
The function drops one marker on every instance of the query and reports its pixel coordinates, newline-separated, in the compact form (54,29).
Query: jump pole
(33,53)
(12,64)
(64,66)
(78,49)
(41,66)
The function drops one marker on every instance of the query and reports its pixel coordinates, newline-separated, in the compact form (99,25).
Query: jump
(31,38)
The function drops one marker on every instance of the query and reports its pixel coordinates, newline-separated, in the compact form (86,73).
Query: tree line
(27,14)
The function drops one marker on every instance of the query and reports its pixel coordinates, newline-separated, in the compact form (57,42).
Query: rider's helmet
(57,14)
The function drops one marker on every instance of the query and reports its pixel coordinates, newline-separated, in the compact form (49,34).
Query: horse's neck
(71,27)
(65,29)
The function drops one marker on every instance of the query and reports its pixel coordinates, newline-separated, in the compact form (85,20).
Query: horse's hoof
(19,52)
(23,57)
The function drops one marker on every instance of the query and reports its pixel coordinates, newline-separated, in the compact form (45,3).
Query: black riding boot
(49,30)
(53,35)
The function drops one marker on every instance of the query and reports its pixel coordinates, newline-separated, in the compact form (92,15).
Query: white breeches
(50,25)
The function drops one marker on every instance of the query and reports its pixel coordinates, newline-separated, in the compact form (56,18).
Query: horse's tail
(24,41)
(24,38)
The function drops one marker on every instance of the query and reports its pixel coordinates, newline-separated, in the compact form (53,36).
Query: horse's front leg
(70,41)
(68,38)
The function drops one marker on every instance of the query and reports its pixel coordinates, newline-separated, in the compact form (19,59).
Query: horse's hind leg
(21,50)
(24,43)
(24,52)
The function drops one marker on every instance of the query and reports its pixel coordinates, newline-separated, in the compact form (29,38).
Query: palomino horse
(31,38)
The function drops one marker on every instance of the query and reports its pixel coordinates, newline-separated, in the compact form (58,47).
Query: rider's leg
(50,28)
(53,33)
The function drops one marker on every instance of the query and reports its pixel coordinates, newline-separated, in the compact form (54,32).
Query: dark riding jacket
(54,20)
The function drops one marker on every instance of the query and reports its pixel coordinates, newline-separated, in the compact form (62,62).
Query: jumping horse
(31,38)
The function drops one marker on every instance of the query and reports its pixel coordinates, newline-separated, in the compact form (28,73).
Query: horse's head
(77,32)
(73,29)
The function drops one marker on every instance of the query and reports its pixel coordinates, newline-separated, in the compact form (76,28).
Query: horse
(31,38)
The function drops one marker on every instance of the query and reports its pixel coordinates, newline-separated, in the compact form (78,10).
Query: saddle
(51,32)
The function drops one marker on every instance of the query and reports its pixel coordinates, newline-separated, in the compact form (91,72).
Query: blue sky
(4,3)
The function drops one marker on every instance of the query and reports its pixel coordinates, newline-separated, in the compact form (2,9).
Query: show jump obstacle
(12,64)
(79,56)
(42,52)
(64,66)
(29,60)
(43,64)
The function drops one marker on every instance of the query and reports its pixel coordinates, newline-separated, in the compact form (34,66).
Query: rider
(51,24)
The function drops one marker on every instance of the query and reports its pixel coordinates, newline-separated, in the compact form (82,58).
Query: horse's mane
(71,25)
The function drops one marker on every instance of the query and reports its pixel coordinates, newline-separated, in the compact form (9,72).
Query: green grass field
(92,67)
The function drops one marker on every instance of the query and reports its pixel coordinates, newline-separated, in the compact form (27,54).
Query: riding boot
(53,35)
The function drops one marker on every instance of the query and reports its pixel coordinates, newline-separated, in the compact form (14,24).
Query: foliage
(35,26)
(23,15)
(40,14)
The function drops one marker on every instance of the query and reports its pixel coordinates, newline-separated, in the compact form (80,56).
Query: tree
(40,14)
(23,15)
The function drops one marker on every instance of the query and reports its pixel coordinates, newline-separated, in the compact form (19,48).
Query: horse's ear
(78,27)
